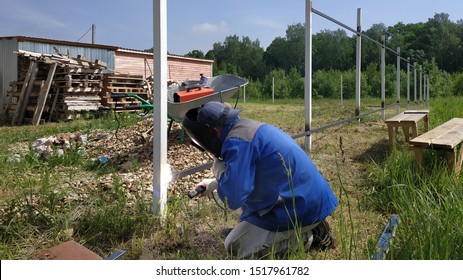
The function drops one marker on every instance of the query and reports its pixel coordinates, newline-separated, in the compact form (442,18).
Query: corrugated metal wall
(104,55)
(124,61)
(8,67)
(9,60)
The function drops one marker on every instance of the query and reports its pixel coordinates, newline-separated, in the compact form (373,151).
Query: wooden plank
(32,67)
(25,102)
(402,117)
(448,136)
(416,112)
(441,132)
(43,95)
(449,139)
(53,106)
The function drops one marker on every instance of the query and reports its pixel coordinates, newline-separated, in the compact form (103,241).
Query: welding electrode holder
(194,193)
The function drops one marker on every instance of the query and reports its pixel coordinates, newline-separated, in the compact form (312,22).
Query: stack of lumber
(78,89)
(54,86)
(115,86)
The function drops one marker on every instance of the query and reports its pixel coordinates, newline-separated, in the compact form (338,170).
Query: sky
(197,25)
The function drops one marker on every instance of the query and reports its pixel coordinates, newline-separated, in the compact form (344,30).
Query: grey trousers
(247,240)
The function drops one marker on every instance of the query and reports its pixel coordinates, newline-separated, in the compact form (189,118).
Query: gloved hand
(209,184)
(218,168)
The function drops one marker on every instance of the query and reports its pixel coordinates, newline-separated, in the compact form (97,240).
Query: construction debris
(56,87)
(115,86)
(59,144)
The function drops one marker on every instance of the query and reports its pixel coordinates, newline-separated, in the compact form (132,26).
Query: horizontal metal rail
(340,122)
(199,168)
(359,33)
(190,171)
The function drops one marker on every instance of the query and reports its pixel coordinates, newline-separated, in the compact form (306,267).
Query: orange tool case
(192,93)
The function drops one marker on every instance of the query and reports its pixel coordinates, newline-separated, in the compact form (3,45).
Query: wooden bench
(448,137)
(408,120)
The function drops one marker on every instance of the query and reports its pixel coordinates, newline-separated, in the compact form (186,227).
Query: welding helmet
(199,124)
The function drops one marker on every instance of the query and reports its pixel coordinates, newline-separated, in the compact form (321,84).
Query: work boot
(225,232)
(322,237)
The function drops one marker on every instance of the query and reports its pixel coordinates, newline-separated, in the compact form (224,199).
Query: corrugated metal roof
(78,44)
(169,55)
(60,42)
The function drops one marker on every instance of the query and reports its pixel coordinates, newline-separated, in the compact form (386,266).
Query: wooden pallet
(49,80)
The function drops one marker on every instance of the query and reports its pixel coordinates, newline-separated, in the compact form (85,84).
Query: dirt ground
(341,153)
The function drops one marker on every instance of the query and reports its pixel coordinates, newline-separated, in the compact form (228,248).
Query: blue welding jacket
(271,178)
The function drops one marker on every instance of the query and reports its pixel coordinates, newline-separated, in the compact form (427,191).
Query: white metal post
(408,82)
(424,87)
(244,94)
(427,88)
(383,74)
(398,80)
(414,80)
(161,170)
(273,90)
(341,89)
(358,63)
(421,84)
(308,74)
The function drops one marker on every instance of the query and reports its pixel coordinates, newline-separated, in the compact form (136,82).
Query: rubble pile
(59,144)
(129,151)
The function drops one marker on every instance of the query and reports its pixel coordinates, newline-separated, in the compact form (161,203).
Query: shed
(118,60)
(180,68)
(10,64)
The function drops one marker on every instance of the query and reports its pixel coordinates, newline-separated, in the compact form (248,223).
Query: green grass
(42,207)
(429,203)
(430,206)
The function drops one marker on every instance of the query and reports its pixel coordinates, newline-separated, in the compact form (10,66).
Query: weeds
(41,205)
(429,203)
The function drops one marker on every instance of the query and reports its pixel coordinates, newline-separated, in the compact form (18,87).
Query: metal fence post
(383,74)
(358,63)
(398,80)
(408,82)
(308,74)
(421,84)
(414,81)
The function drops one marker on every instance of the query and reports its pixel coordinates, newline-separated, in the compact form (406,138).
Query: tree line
(437,45)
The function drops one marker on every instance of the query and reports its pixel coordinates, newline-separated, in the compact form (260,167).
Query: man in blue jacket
(262,173)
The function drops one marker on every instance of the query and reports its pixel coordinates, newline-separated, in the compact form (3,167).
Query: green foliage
(296,83)
(239,57)
(196,54)
(326,84)
(333,50)
(276,78)
(435,44)
(428,204)
(288,52)
(457,88)
(440,80)
(254,90)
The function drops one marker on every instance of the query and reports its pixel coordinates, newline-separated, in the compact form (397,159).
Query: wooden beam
(25,92)
(43,95)
(53,106)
